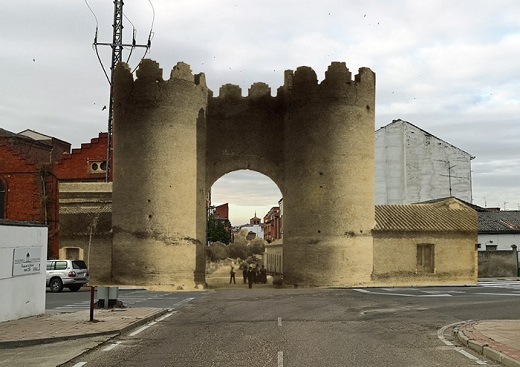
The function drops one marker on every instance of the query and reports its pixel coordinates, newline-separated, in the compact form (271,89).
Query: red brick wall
(27,198)
(75,166)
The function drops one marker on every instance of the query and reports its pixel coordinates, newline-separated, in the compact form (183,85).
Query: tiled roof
(499,222)
(425,218)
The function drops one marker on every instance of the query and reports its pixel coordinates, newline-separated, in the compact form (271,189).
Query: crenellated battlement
(338,83)
(150,86)
(303,84)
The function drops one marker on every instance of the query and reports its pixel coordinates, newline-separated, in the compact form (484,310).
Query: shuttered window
(425,258)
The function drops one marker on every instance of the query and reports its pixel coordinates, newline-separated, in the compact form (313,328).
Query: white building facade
(23,259)
(412,166)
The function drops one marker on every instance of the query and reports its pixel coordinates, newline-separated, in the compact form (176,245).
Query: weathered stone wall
(395,258)
(245,133)
(316,141)
(493,264)
(329,177)
(159,177)
(86,227)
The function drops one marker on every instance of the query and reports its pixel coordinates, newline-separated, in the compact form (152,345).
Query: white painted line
(440,335)
(280,359)
(181,303)
(141,329)
(279,321)
(79,364)
(403,294)
(110,347)
(499,294)
(165,316)
(151,323)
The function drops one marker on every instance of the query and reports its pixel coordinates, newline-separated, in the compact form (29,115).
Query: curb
(112,333)
(470,337)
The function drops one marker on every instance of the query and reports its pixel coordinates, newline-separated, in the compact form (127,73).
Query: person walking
(232,276)
(244,272)
(250,276)
(263,275)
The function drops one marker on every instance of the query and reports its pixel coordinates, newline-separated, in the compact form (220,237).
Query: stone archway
(173,140)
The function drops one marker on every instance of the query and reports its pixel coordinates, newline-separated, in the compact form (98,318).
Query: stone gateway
(173,139)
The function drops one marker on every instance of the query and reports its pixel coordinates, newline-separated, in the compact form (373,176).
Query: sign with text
(26,260)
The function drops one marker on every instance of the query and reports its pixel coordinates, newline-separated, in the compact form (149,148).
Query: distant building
(498,230)
(272,226)
(220,215)
(254,226)
(411,166)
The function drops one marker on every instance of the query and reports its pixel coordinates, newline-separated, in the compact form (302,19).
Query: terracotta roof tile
(425,217)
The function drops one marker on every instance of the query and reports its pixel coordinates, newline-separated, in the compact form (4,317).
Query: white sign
(26,260)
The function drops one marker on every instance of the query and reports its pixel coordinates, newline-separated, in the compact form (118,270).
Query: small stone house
(421,244)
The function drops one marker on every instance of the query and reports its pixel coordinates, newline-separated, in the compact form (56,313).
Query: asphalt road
(314,327)
(67,301)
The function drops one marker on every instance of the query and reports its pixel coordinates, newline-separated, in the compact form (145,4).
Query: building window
(2,199)
(425,258)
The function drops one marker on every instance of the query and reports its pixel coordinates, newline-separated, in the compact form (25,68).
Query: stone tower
(158,213)
(173,140)
(329,177)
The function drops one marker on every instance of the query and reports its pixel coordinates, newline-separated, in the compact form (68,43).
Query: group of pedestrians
(251,274)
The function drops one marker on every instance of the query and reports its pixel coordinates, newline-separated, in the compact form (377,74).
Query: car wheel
(75,287)
(56,285)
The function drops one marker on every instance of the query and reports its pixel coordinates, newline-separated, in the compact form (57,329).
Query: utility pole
(117,53)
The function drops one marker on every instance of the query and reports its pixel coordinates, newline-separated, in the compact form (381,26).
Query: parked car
(72,274)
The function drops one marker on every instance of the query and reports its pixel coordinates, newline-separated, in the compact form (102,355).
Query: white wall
(23,259)
(502,241)
(255,228)
(411,166)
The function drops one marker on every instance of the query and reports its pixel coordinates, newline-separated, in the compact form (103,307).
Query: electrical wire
(94,45)
(134,34)
(150,37)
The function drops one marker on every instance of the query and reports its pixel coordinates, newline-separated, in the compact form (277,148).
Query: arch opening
(246,204)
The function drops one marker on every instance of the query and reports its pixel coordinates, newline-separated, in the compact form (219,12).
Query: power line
(117,47)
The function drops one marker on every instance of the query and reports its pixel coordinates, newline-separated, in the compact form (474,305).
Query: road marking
(110,347)
(181,303)
(80,364)
(143,328)
(440,335)
(166,316)
(500,294)
(151,323)
(279,321)
(280,359)
(403,294)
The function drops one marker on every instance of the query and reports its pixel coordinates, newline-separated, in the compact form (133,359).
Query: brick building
(85,164)
(28,187)
(32,165)
(272,224)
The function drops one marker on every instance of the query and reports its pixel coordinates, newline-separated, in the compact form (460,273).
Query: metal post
(117,53)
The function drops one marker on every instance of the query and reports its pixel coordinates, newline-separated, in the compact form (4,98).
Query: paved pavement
(57,326)
(498,340)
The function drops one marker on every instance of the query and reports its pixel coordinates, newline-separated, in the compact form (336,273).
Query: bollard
(92,288)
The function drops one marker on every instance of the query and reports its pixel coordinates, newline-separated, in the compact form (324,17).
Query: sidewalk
(58,326)
(498,340)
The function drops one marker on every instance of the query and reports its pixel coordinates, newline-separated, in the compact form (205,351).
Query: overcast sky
(449,67)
